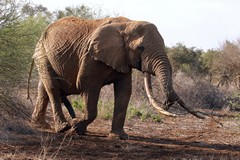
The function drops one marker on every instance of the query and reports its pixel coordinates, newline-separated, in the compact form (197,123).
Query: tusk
(147,82)
(190,110)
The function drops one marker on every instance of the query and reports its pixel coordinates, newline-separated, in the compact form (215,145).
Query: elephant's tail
(29,77)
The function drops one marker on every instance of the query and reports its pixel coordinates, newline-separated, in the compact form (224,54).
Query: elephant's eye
(141,48)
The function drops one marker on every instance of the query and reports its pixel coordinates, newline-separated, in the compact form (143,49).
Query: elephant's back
(68,30)
(79,25)
(72,34)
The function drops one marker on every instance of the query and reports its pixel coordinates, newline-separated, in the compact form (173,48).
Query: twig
(60,147)
(211,116)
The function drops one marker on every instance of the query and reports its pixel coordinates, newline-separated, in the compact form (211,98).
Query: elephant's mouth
(148,88)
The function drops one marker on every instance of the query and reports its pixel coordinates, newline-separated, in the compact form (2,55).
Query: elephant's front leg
(90,99)
(122,93)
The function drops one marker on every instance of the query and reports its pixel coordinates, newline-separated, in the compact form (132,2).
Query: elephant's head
(137,44)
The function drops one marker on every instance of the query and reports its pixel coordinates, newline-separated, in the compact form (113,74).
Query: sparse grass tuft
(233,101)
(143,113)
(78,104)
(105,110)
(237,116)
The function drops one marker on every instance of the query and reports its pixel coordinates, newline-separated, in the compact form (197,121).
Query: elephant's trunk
(162,69)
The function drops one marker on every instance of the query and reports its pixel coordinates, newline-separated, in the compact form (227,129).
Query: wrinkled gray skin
(77,56)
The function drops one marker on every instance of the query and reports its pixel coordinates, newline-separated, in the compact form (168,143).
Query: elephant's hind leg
(52,87)
(61,123)
(39,113)
(69,107)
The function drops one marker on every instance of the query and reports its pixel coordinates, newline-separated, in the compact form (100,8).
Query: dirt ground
(174,138)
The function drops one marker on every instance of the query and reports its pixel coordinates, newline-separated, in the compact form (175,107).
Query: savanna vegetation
(207,79)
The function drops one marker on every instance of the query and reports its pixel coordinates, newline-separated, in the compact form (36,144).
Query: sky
(204,24)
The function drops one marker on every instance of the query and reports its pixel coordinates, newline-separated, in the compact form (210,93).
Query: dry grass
(182,138)
(199,93)
(14,116)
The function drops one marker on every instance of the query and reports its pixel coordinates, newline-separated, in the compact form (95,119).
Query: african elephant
(76,56)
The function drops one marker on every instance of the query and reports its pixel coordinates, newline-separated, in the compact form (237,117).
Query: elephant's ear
(107,45)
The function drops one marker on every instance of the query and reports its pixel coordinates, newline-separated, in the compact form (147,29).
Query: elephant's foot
(118,135)
(62,127)
(79,126)
(80,129)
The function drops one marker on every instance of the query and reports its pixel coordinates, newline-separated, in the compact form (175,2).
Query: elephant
(69,107)
(77,56)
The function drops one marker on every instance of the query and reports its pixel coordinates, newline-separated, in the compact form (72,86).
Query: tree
(82,11)
(18,36)
(223,63)
(31,10)
(185,59)
(9,12)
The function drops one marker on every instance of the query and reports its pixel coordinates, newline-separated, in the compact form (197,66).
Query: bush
(199,93)
(224,63)
(14,116)
(233,101)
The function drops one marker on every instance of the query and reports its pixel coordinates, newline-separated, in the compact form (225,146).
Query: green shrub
(78,104)
(233,101)
(105,109)
(142,113)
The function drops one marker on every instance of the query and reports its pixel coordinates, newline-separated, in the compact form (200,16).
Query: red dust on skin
(181,137)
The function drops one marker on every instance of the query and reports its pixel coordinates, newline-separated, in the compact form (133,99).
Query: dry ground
(175,138)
